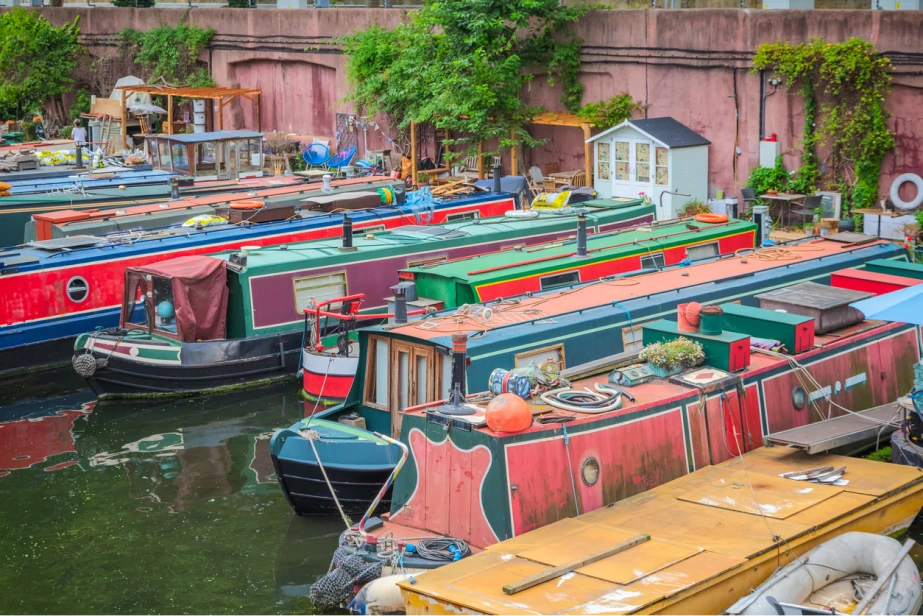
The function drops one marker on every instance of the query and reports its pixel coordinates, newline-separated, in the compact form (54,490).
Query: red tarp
(200,294)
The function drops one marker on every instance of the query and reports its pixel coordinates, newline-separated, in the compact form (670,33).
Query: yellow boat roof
(709,526)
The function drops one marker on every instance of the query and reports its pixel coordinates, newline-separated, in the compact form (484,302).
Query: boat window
(206,158)
(559,280)
(427,261)
(376,373)
(702,251)
(320,288)
(163,149)
(632,338)
(463,216)
(444,371)
(652,261)
(78,289)
(550,354)
(180,157)
(412,379)
(162,305)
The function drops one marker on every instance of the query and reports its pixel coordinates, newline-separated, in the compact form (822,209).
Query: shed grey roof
(217,135)
(667,131)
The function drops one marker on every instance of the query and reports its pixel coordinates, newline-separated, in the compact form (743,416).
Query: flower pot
(665,372)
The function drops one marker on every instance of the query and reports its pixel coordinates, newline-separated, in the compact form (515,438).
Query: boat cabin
(184,299)
(217,155)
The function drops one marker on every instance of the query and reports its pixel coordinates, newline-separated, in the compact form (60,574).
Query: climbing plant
(606,114)
(463,66)
(844,87)
(170,53)
(37,62)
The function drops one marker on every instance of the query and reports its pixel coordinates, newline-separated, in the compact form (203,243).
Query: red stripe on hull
(39,295)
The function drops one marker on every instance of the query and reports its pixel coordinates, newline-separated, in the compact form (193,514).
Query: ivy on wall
(170,53)
(462,66)
(844,87)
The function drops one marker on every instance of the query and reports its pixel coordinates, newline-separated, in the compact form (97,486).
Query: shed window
(702,251)
(602,161)
(550,354)
(322,288)
(662,169)
(559,280)
(621,161)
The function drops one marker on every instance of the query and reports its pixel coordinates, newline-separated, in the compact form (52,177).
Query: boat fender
(381,596)
(899,203)
(85,364)
(711,218)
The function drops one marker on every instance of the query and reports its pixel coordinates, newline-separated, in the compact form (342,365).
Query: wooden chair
(579,179)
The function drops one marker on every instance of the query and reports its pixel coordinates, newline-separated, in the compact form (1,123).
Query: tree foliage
(37,60)
(844,86)
(462,65)
(606,114)
(170,53)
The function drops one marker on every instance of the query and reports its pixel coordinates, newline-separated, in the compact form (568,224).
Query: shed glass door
(632,168)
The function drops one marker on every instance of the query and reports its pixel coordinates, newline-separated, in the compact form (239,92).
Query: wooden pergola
(224,96)
(548,118)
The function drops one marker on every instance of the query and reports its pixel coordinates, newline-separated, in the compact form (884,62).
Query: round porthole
(590,471)
(798,398)
(78,289)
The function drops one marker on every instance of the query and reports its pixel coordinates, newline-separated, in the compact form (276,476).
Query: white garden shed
(651,156)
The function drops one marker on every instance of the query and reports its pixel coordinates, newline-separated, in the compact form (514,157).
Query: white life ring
(896,199)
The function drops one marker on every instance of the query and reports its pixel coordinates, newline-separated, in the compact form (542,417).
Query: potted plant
(672,357)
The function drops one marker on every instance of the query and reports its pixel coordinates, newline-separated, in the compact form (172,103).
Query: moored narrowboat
(75,283)
(256,332)
(328,373)
(403,367)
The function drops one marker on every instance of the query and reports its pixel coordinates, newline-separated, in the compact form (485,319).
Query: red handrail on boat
(314,308)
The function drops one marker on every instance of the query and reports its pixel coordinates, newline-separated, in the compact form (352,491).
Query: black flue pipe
(174,187)
(581,234)
(79,149)
(347,231)
(400,304)
(497,178)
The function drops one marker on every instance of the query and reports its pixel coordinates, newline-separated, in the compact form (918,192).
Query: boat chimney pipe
(79,150)
(496,178)
(400,304)
(455,405)
(347,231)
(581,234)
(174,187)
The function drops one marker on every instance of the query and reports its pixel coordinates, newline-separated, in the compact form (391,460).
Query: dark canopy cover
(200,294)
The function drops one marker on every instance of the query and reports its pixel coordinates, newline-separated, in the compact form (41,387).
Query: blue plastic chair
(342,158)
(316,155)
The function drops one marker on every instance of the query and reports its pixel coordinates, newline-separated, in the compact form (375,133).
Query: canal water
(153,506)
(149,507)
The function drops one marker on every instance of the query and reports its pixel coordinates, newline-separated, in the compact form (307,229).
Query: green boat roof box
(896,268)
(727,351)
(795,332)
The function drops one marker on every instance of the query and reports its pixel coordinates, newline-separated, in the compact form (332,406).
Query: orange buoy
(711,218)
(247,205)
(508,413)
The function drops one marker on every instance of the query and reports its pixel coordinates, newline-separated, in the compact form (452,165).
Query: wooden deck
(714,535)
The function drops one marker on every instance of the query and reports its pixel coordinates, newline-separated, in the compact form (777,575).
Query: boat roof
(391,240)
(541,308)
(78,249)
(484,269)
(218,135)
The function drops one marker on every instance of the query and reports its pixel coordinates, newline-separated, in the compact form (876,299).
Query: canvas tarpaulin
(200,294)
